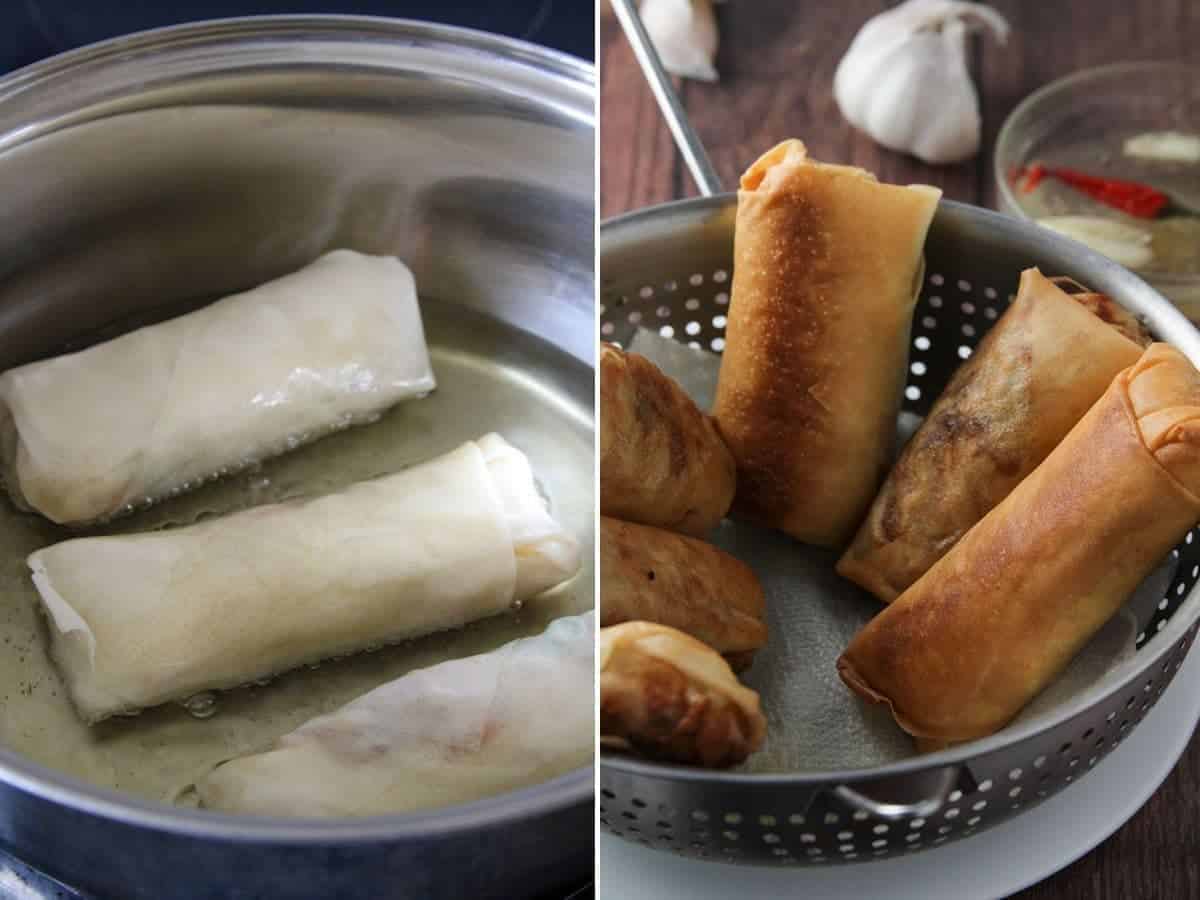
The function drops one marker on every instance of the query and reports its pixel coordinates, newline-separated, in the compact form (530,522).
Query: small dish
(1082,122)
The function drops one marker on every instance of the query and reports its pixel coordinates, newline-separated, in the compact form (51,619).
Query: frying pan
(669,268)
(148,174)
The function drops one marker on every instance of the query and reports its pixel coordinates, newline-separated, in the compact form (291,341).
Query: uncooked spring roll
(455,732)
(137,620)
(666,695)
(827,269)
(661,460)
(656,576)
(1042,366)
(90,435)
(996,619)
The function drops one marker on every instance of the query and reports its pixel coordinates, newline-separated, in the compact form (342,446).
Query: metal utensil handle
(686,139)
(887,809)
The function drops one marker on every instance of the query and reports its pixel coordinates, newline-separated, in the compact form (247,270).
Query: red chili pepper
(1131,197)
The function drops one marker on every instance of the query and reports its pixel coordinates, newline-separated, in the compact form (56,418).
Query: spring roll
(827,269)
(453,733)
(1042,366)
(666,695)
(137,620)
(90,435)
(996,619)
(656,576)
(662,462)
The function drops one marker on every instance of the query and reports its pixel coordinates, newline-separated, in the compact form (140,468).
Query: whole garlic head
(904,80)
(684,33)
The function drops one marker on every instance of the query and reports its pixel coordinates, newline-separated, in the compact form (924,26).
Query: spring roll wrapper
(666,695)
(661,460)
(959,654)
(137,620)
(1035,374)
(827,270)
(657,576)
(89,435)
(453,733)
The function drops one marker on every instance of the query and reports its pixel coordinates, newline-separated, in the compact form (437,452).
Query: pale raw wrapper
(813,721)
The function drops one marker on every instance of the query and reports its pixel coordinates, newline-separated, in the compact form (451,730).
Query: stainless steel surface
(669,268)
(686,139)
(164,168)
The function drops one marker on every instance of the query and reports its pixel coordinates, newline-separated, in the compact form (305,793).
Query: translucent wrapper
(827,269)
(665,694)
(452,733)
(137,620)
(90,435)
(1043,364)
(1001,615)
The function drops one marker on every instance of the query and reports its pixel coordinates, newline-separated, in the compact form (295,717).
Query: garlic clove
(1125,245)
(1169,146)
(684,33)
(904,80)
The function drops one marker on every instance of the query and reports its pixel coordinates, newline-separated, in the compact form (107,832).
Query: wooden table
(777,61)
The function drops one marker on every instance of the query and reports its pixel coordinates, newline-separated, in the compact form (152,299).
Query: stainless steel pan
(149,173)
(668,268)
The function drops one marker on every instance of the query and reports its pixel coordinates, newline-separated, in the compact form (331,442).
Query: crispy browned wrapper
(661,460)
(1039,369)
(827,269)
(654,575)
(996,619)
(665,695)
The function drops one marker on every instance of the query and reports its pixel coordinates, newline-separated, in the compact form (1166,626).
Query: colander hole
(940,840)
(952,812)
(604,821)
(882,852)
(1014,774)
(795,819)
(780,851)
(603,309)
(831,818)
(1065,748)
(990,293)
(767,821)
(945,829)
(629,815)
(936,280)
(968,330)
(860,815)
(663,312)
(985,785)
(635,317)
(718,344)
(845,848)
(918,368)
(1099,743)
(964,352)
(695,345)
(667,331)
(702,834)
(1073,762)
(671,286)
(1092,761)
(968,308)
(605,792)
(606,329)
(729,834)
(692,328)
(813,851)
(912,392)
(663,825)
(913,847)
(699,815)
(695,279)
(722,299)
(1016,805)
(964,285)
(989,312)
(1039,762)
(954,797)
(973,821)
(1188,538)
(844,835)
(1015,792)
(935,301)
(770,838)
(639,803)
(646,292)
(879,843)
(691,303)
(1148,686)
(808,838)
(720,276)
(1179,591)
(979,806)
(733,818)
(695,845)
(851,855)
(929,322)
(912,838)
(921,343)
(916,823)
(1110,717)
(1195,571)
(633,829)
(880,829)
(718,321)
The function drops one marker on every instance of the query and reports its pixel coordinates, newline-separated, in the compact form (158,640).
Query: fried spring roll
(662,462)
(653,575)
(827,270)
(996,619)
(666,695)
(1042,366)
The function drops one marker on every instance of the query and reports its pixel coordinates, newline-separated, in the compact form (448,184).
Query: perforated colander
(669,269)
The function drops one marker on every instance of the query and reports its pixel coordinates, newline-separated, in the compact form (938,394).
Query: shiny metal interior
(669,268)
(156,171)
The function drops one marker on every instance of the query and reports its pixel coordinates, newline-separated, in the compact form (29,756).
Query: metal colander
(669,269)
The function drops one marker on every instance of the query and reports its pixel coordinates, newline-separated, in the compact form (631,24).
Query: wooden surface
(777,61)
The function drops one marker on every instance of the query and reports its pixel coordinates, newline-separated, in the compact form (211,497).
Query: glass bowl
(1081,122)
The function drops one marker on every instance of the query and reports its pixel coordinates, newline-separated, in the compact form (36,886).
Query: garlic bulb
(904,80)
(684,33)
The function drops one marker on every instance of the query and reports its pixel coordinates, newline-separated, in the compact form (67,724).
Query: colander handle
(904,797)
(686,139)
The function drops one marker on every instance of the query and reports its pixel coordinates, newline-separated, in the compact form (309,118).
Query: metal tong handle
(686,139)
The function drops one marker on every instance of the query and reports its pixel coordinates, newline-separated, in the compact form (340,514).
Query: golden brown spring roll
(661,460)
(1040,368)
(827,270)
(996,619)
(657,576)
(666,695)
